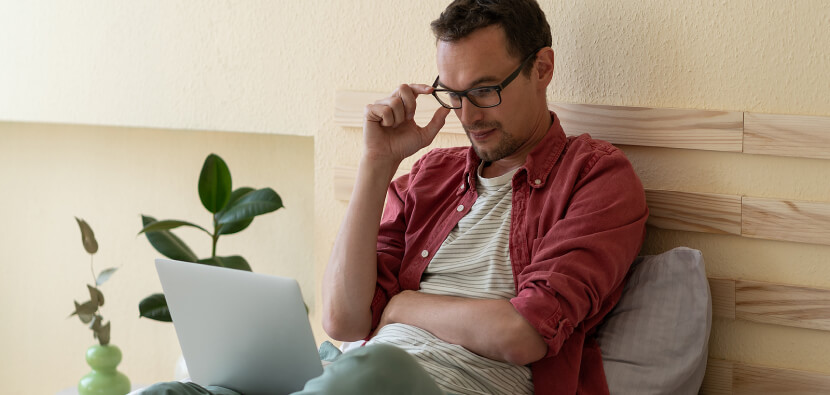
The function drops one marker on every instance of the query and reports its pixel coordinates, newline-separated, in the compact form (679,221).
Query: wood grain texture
(783,304)
(344,179)
(800,221)
(723,297)
(698,212)
(349,108)
(753,380)
(718,377)
(655,127)
(787,135)
(725,377)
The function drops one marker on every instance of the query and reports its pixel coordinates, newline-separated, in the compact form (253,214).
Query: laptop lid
(244,331)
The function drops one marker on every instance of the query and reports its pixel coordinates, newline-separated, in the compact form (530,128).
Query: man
(492,265)
(573,221)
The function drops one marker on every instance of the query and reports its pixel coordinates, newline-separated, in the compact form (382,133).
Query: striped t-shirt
(473,262)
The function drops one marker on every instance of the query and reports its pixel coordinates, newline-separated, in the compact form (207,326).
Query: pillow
(655,341)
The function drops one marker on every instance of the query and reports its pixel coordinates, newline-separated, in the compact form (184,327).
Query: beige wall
(273,67)
(110,176)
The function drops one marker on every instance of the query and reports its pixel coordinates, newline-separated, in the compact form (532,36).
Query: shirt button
(424,253)
(537,182)
(460,207)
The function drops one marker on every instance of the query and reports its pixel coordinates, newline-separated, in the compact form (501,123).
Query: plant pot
(104,379)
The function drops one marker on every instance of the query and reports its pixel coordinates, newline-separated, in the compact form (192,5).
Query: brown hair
(522,21)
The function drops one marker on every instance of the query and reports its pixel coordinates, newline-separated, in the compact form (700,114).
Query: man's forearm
(490,328)
(350,277)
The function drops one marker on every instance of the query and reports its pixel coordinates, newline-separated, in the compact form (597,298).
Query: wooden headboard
(746,216)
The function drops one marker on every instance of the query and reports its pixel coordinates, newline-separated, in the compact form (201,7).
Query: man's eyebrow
(472,85)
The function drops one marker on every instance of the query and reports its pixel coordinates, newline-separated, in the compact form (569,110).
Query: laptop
(244,331)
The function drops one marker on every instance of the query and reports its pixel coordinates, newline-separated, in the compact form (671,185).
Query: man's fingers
(421,89)
(408,101)
(437,122)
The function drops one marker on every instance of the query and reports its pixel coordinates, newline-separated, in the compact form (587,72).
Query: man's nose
(468,113)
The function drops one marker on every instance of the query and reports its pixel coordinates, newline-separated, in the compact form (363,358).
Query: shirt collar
(538,164)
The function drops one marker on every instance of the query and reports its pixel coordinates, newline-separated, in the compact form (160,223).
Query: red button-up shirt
(577,222)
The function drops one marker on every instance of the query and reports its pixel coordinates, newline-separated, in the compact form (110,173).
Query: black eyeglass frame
(498,88)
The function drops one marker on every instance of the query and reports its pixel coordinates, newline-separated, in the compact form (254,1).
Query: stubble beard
(506,146)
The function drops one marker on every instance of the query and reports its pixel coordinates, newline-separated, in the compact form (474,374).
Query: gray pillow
(655,341)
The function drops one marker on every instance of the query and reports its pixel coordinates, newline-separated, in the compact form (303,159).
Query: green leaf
(168,244)
(95,296)
(168,224)
(238,226)
(261,201)
(231,262)
(154,307)
(85,311)
(103,334)
(105,275)
(87,236)
(214,183)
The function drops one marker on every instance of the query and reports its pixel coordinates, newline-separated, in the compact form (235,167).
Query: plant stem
(214,236)
(92,269)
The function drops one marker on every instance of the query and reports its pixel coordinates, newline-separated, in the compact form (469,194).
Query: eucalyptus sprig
(89,311)
(231,211)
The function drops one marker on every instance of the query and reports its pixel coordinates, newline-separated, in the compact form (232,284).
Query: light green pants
(371,370)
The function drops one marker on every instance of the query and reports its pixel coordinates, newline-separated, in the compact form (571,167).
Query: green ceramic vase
(104,379)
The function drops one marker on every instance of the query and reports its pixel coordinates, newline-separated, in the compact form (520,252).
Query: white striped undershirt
(473,262)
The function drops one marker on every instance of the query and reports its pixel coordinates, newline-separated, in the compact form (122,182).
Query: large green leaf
(238,226)
(231,262)
(154,307)
(167,224)
(214,183)
(261,201)
(168,244)
(87,236)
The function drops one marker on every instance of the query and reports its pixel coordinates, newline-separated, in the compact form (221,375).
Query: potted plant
(103,358)
(232,211)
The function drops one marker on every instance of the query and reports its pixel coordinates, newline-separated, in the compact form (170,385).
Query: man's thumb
(437,121)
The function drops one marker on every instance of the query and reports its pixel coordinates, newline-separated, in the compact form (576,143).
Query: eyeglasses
(482,96)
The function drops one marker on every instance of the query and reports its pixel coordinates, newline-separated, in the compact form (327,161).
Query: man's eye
(482,92)
(454,95)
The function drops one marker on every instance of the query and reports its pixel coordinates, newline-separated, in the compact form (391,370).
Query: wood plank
(658,127)
(345,177)
(800,221)
(718,377)
(723,297)
(349,107)
(787,135)
(783,304)
(698,212)
(655,127)
(752,380)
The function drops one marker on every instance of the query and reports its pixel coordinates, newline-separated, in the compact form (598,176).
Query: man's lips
(480,134)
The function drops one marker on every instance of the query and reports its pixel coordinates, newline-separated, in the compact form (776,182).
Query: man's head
(523,22)
(480,44)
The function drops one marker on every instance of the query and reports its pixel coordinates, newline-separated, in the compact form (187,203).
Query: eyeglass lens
(481,97)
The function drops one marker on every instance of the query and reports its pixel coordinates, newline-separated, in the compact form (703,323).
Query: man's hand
(390,133)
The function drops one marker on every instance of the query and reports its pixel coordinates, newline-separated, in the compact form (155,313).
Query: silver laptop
(244,331)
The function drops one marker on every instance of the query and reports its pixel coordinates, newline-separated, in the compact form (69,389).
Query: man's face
(481,59)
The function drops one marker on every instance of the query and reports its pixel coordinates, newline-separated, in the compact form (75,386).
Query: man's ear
(543,70)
